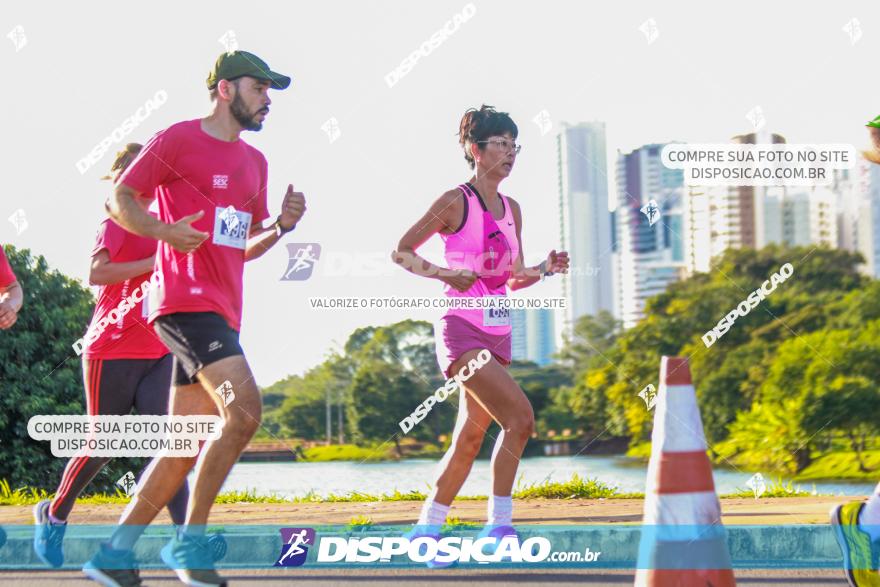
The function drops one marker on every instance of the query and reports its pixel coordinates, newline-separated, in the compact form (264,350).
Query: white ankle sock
(500,510)
(869,517)
(433,513)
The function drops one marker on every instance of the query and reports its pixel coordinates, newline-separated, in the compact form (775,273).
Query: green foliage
(42,375)
(248,496)
(776,391)
(574,488)
(348,452)
(360,522)
(776,488)
(454,523)
(843,465)
(357,496)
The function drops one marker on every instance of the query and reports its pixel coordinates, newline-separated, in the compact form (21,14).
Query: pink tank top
(465,249)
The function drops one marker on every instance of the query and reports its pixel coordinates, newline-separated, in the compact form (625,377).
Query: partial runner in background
(125,368)
(857,524)
(11,300)
(11,294)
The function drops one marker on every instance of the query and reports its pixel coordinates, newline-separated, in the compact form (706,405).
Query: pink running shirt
(130,337)
(191,171)
(7,277)
(464,250)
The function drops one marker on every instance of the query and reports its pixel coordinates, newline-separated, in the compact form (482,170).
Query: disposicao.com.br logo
(295,544)
(487,549)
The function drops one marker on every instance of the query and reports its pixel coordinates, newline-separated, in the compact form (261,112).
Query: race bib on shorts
(496,316)
(231,227)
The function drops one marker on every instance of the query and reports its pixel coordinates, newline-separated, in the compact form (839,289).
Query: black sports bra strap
(471,187)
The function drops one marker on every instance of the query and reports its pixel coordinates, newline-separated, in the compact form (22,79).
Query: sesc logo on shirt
(221,182)
(231,227)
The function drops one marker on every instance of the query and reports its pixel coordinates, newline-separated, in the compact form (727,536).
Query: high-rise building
(585,219)
(518,349)
(800,216)
(858,212)
(650,254)
(533,335)
(717,218)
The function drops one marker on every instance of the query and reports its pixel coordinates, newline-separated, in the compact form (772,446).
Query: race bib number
(496,317)
(231,227)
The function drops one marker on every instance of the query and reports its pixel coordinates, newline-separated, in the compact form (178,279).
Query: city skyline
(392,151)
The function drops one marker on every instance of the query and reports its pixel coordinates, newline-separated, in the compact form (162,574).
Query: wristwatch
(543,269)
(279,230)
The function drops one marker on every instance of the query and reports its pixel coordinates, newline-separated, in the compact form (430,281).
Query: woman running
(481,231)
(125,368)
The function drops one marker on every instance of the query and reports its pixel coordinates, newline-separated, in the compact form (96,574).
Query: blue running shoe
(48,536)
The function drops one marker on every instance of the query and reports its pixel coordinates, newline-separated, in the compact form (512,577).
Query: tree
(850,406)
(41,373)
(303,413)
(382,394)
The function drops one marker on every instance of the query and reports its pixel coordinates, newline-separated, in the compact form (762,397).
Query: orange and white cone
(683,541)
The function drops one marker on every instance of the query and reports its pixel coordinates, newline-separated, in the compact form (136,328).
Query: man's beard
(242,116)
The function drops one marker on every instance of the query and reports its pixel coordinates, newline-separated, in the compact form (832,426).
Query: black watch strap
(281,229)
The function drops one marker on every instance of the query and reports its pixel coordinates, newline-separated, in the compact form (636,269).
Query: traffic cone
(683,542)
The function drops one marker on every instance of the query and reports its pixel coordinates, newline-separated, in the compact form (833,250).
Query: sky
(81,72)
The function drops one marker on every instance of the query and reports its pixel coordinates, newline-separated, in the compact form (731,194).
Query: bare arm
(105,272)
(445,213)
(522,276)
(526,276)
(128,214)
(11,300)
(259,241)
(262,239)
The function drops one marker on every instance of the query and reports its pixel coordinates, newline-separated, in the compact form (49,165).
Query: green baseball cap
(235,64)
(875,123)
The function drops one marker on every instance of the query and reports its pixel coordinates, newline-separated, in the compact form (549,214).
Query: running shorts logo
(231,227)
(221,182)
(295,544)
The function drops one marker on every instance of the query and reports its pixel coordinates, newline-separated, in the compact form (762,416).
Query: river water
(296,479)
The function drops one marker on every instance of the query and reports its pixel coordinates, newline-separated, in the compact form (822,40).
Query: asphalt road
(427,577)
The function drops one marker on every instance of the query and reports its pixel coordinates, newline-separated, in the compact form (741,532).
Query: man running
(212,204)
(857,524)
(125,366)
(481,230)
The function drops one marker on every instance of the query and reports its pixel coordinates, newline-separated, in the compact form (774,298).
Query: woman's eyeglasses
(504,144)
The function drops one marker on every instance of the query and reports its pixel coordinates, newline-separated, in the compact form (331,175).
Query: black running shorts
(196,339)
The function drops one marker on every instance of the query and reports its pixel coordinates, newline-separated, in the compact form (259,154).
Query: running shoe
(860,553)
(428,531)
(192,559)
(218,546)
(113,568)
(217,542)
(497,532)
(48,536)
